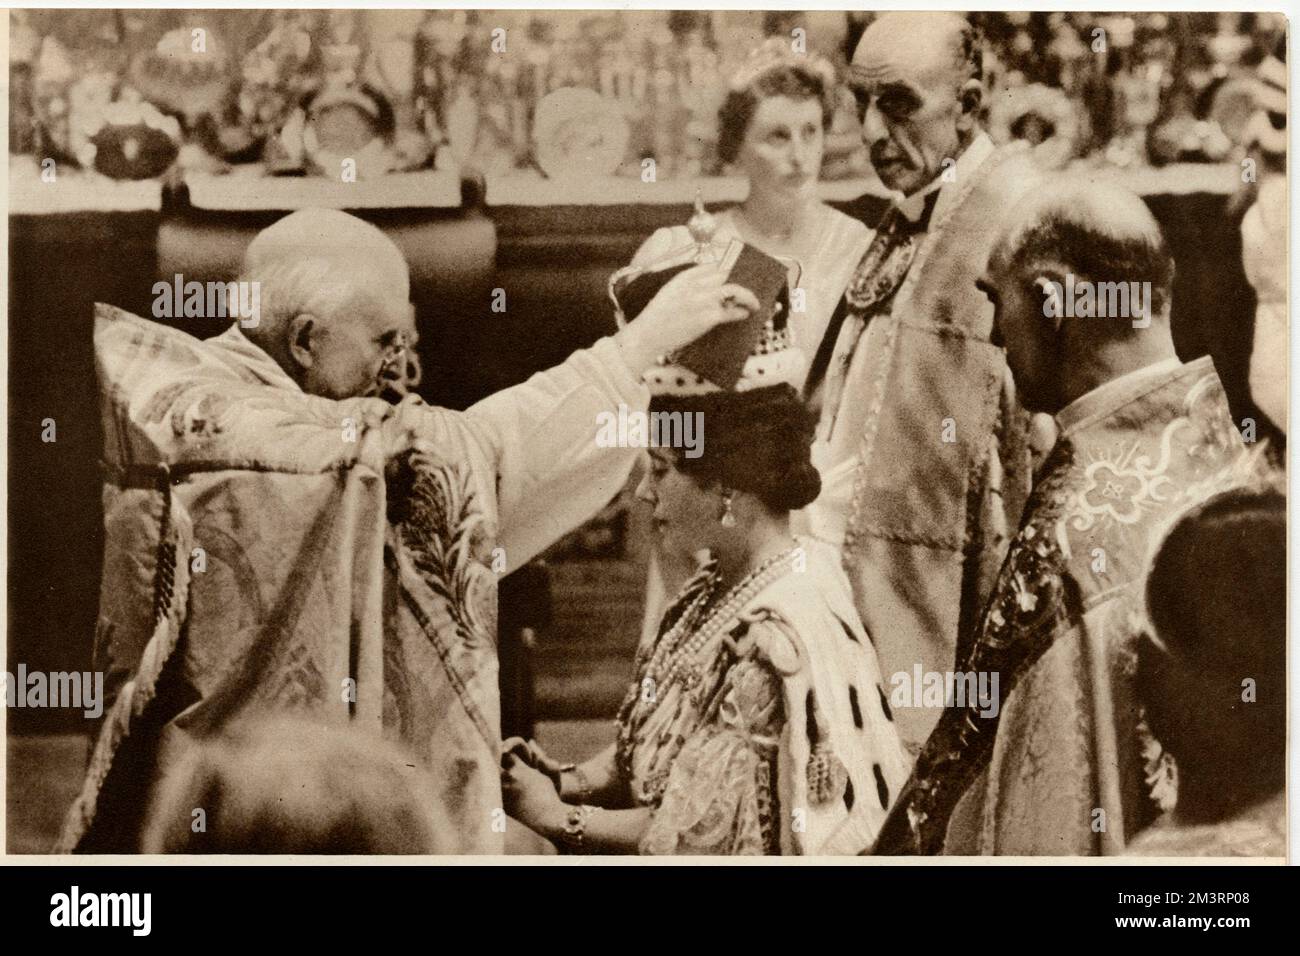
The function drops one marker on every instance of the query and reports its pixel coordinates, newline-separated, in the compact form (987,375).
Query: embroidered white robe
(349,557)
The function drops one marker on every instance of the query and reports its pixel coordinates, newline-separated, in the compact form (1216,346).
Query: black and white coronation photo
(620,433)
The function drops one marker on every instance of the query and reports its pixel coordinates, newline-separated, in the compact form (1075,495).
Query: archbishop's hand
(690,304)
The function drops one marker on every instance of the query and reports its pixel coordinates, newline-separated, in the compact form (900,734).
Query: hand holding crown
(690,304)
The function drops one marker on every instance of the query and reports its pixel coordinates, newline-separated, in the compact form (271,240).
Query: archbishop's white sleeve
(541,437)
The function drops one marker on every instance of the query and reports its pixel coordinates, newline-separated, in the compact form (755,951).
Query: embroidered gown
(1066,766)
(775,736)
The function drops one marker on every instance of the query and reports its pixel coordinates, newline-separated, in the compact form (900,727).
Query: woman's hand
(531,797)
(690,304)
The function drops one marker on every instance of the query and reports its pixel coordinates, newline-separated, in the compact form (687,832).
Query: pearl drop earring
(727,519)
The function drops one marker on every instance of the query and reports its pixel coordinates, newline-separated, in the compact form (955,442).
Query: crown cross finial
(703,225)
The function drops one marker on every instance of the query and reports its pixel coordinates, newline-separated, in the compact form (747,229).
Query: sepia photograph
(526,434)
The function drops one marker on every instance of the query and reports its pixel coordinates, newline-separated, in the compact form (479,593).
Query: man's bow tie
(909,216)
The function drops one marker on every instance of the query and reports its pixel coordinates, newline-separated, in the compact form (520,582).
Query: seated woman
(756,722)
(772,129)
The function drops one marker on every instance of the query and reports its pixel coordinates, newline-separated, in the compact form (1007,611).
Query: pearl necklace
(679,648)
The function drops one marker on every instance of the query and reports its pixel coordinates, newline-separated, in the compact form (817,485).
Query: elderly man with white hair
(279,538)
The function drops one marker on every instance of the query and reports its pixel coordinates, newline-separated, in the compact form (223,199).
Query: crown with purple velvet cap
(739,356)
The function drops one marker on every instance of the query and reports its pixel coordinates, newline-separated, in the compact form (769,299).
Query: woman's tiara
(776,53)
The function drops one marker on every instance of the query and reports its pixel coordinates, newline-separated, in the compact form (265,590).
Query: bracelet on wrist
(575,828)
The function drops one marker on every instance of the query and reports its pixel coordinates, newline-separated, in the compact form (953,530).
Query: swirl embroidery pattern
(1121,486)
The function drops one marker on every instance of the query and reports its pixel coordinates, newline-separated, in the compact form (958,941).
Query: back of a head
(331,236)
(1215,692)
(285,784)
(1098,233)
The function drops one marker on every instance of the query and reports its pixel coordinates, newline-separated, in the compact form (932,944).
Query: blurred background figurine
(1264,242)
(1128,90)
(1041,116)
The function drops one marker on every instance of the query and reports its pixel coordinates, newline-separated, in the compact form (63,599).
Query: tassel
(826,772)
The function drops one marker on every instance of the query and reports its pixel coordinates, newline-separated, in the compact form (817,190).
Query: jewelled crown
(763,355)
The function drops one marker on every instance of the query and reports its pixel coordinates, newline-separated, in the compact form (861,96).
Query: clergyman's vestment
(267,549)
(1071,768)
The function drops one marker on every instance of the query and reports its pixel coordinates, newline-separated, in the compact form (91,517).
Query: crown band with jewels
(773,360)
(776,362)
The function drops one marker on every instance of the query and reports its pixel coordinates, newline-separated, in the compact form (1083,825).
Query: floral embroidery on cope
(1121,487)
(446,536)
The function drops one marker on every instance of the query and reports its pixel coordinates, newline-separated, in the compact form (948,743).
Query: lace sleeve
(721,791)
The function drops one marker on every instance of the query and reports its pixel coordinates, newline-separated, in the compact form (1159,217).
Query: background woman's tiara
(776,53)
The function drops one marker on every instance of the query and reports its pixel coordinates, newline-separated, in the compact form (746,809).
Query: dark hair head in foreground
(1214,679)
